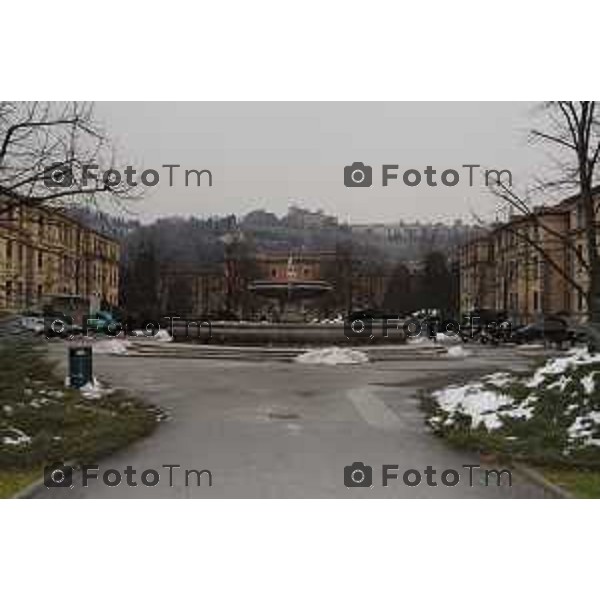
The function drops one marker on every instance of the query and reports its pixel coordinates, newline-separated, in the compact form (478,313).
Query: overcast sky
(270,155)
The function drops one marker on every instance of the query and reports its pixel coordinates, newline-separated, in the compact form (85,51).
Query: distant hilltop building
(301,218)
(296,218)
(416,237)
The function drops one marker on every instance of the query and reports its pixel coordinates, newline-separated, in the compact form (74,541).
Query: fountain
(290,292)
(291,288)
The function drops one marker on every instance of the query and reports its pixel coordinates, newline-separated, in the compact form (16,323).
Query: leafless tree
(572,131)
(46,150)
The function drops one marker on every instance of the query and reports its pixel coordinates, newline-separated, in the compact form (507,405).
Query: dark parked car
(554,330)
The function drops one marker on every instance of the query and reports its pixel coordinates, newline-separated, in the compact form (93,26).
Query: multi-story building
(477,275)
(526,283)
(523,266)
(46,253)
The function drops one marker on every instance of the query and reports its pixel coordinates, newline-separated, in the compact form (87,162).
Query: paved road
(284,430)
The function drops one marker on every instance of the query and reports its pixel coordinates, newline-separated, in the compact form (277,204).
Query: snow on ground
(16,437)
(94,390)
(482,405)
(555,366)
(332,321)
(332,356)
(458,352)
(441,338)
(444,338)
(588,383)
(487,405)
(111,346)
(473,400)
(162,335)
(582,428)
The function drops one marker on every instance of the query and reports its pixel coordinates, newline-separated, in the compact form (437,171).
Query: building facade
(45,253)
(522,267)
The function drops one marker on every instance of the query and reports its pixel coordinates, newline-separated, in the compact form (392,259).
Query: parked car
(551,329)
(102,320)
(32,321)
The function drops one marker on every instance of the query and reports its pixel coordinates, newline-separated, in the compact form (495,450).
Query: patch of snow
(162,335)
(588,383)
(16,437)
(481,405)
(556,366)
(8,409)
(583,427)
(94,390)
(110,347)
(332,356)
(38,402)
(458,352)
(444,338)
(561,383)
(332,321)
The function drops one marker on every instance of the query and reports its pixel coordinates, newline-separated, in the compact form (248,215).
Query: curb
(30,490)
(536,477)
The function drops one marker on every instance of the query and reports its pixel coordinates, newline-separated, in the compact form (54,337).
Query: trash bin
(80,366)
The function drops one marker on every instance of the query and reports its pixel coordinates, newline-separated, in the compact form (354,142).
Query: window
(9,291)
(40,292)
(40,259)
(9,251)
(536,301)
(579,215)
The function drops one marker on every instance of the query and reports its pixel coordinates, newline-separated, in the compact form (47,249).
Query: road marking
(373,410)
